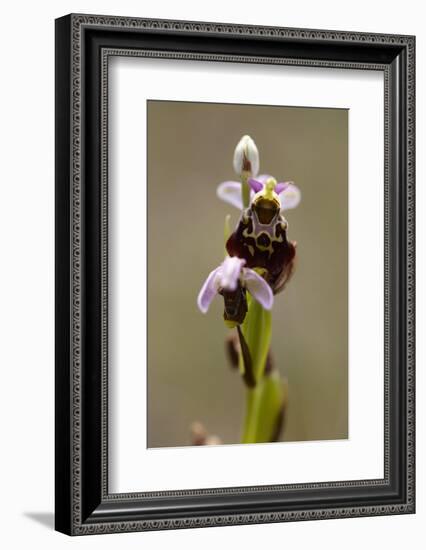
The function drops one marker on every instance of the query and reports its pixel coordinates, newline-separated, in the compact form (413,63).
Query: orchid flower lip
(226,276)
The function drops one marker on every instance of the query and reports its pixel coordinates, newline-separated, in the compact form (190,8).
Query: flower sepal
(232,279)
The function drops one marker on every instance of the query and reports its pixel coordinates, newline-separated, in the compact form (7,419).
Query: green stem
(264,409)
(257,333)
(250,428)
(257,329)
(245,189)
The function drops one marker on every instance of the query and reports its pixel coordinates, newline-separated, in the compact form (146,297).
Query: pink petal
(290,197)
(282,186)
(255,185)
(208,291)
(230,192)
(258,288)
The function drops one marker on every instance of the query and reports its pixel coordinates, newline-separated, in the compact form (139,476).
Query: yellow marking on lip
(261,271)
(268,248)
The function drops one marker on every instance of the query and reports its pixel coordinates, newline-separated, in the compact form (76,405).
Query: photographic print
(247,259)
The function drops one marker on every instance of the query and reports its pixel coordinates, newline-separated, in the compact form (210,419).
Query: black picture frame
(83,504)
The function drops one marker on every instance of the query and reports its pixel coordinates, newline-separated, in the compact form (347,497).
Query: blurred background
(190,151)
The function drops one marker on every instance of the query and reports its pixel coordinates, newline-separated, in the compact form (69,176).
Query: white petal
(230,192)
(290,197)
(208,290)
(230,272)
(258,288)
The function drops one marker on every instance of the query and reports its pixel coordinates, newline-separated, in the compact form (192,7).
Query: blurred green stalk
(264,402)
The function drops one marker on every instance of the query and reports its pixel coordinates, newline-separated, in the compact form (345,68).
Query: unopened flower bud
(213,440)
(198,434)
(246,157)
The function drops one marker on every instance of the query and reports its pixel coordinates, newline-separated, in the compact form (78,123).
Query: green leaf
(264,407)
(271,403)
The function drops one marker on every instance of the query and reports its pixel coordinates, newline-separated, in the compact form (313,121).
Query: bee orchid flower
(230,192)
(259,262)
(231,275)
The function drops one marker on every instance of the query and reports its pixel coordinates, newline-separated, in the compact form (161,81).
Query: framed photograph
(234,274)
